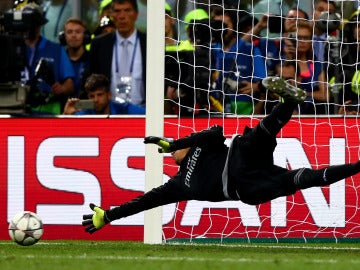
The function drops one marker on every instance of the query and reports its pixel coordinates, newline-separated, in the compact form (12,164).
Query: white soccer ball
(26,228)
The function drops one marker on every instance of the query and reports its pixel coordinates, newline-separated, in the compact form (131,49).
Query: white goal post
(154,112)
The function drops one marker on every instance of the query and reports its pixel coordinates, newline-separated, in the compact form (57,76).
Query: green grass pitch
(103,255)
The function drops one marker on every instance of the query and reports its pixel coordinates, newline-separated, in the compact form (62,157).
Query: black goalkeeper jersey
(213,172)
(199,176)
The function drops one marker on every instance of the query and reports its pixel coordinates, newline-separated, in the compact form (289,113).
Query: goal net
(211,78)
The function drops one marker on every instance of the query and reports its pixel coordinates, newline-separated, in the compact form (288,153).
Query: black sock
(335,173)
(306,178)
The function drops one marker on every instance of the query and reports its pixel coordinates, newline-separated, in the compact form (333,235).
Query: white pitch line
(197,259)
(305,246)
(224,245)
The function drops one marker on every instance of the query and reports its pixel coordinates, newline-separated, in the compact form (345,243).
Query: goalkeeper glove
(165,145)
(96,221)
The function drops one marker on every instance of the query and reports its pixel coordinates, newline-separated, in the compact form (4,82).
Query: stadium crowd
(228,47)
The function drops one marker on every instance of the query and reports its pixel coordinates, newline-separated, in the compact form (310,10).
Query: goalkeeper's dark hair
(132,2)
(97,81)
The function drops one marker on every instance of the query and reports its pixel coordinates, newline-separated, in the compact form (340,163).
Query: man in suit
(121,55)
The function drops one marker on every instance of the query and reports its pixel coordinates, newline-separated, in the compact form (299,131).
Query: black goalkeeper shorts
(252,176)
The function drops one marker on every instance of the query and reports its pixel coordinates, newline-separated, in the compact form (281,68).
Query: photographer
(276,7)
(347,78)
(49,71)
(187,84)
(272,48)
(320,36)
(239,66)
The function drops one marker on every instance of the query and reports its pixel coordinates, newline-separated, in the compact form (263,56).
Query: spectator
(271,48)
(349,108)
(171,45)
(313,79)
(105,9)
(347,77)
(106,25)
(181,9)
(121,55)
(75,37)
(275,7)
(239,66)
(293,16)
(56,12)
(320,37)
(196,16)
(97,87)
(170,30)
(289,71)
(190,95)
(49,70)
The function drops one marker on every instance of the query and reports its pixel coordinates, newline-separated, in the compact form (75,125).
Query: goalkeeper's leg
(277,119)
(281,113)
(283,89)
(281,182)
(306,178)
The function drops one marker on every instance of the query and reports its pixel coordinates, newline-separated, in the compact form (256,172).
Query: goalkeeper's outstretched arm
(165,194)
(168,193)
(211,137)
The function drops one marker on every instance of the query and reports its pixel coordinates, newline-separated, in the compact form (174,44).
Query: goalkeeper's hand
(96,221)
(165,144)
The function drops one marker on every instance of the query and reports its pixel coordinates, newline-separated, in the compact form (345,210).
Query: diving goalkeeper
(245,171)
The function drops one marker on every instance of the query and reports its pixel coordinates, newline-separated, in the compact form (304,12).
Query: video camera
(23,20)
(15,27)
(12,57)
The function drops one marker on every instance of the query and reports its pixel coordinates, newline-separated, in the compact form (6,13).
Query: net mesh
(212,78)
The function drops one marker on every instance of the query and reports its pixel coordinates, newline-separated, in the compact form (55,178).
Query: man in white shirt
(121,55)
